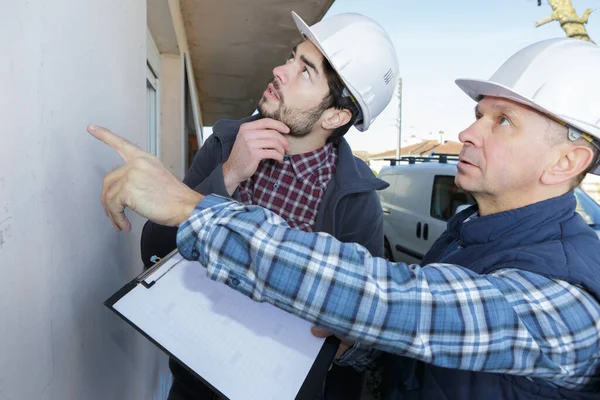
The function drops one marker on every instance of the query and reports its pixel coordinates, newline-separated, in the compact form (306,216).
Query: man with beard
(292,158)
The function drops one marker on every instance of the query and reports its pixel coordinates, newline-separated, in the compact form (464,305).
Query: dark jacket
(350,211)
(350,208)
(548,238)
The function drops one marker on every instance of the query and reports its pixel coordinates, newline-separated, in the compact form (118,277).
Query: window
(587,208)
(152,111)
(152,96)
(447,197)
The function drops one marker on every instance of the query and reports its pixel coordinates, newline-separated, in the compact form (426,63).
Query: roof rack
(441,158)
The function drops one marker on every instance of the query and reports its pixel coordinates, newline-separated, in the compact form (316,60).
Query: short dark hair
(336,99)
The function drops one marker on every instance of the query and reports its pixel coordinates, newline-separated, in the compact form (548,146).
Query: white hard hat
(558,77)
(362,54)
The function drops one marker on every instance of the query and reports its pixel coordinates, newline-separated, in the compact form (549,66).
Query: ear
(572,162)
(333,118)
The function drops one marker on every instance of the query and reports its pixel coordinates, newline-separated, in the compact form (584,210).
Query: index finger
(123,147)
(268,123)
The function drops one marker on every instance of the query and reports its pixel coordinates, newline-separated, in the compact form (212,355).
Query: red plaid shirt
(293,189)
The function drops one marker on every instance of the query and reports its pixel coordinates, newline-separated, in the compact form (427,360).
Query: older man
(507,302)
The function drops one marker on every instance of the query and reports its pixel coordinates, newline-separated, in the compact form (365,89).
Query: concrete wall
(67,63)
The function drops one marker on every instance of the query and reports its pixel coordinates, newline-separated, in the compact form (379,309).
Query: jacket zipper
(451,250)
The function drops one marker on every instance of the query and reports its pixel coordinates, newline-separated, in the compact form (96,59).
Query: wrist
(230,179)
(188,204)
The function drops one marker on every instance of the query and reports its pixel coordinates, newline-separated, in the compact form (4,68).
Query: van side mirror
(462,207)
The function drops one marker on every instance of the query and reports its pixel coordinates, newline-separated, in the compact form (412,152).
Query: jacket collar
(484,229)
(351,172)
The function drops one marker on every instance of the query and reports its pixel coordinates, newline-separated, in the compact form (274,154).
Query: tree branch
(546,20)
(586,16)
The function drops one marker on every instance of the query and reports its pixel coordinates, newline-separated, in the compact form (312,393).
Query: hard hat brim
(477,88)
(305,31)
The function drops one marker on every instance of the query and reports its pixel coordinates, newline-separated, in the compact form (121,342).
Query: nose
(282,73)
(473,134)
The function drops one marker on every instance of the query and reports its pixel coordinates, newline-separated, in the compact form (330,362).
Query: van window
(446,197)
(587,208)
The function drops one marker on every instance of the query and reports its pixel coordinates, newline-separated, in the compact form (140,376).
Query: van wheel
(387,250)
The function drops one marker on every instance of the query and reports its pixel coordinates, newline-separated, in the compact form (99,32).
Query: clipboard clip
(155,259)
(158,264)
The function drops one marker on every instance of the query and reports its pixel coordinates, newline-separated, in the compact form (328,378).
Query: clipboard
(242,349)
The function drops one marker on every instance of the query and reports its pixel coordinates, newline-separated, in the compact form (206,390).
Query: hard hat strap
(346,93)
(575,134)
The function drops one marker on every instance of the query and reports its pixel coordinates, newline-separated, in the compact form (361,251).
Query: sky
(438,41)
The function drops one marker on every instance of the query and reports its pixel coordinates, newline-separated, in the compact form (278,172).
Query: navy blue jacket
(548,238)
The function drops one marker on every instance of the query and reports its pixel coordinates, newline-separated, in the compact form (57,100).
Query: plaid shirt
(292,189)
(511,321)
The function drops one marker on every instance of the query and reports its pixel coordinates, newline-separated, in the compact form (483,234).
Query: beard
(300,122)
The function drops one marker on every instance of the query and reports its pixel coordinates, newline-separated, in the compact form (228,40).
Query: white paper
(247,350)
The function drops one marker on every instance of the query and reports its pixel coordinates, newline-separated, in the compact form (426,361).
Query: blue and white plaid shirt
(510,321)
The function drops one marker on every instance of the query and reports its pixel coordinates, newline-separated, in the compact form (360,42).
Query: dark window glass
(447,197)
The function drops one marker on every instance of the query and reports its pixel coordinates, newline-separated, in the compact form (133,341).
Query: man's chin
(266,111)
(463,182)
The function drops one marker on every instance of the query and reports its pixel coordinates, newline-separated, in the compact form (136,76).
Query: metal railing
(440,158)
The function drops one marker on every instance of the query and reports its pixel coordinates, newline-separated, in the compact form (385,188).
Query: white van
(421,199)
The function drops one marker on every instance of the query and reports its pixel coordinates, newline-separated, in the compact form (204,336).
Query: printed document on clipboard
(241,348)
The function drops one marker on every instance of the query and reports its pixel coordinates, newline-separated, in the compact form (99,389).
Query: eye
(503,121)
(290,58)
(305,74)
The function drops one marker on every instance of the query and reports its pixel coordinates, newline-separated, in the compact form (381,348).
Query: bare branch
(564,12)
(586,16)
(546,20)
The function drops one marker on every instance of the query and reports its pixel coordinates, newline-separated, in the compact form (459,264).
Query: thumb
(320,332)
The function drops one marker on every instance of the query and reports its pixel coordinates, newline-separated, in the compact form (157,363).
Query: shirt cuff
(203,238)
(197,227)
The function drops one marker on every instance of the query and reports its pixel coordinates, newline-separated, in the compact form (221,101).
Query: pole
(399,144)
